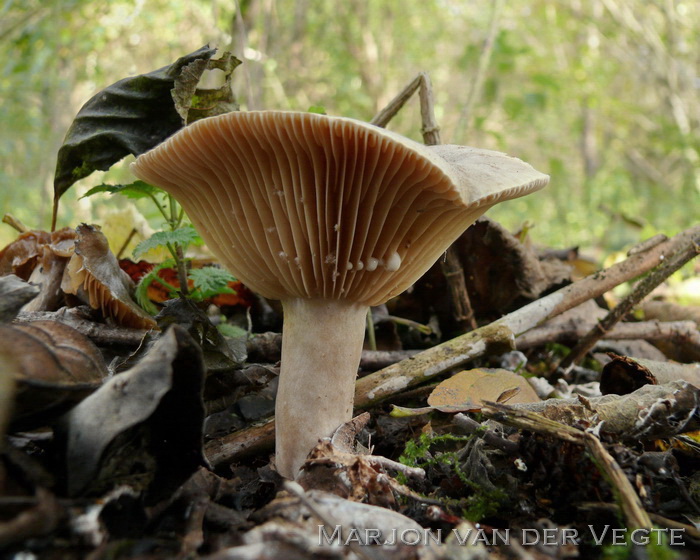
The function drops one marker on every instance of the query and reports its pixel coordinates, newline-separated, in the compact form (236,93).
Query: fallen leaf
(54,367)
(466,390)
(143,426)
(93,274)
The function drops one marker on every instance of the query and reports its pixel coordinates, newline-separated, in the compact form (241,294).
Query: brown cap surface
(311,206)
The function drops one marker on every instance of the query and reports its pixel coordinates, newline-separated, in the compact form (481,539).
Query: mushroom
(329,215)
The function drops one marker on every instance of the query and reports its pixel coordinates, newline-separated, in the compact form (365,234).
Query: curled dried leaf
(20,257)
(93,274)
(40,257)
(54,367)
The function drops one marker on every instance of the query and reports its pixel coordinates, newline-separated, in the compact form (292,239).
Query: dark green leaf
(210,281)
(137,189)
(129,117)
(182,236)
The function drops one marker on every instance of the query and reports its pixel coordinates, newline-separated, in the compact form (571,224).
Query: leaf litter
(137,441)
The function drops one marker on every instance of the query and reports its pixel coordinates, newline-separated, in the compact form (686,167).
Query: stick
(685,253)
(630,503)
(441,358)
(451,266)
(679,331)
(389,112)
(11,221)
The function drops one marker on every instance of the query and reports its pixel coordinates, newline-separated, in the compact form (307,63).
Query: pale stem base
(321,349)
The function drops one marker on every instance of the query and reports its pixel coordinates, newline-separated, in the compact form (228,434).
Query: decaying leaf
(128,117)
(93,274)
(40,258)
(143,426)
(19,257)
(622,374)
(361,478)
(54,367)
(466,390)
(192,103)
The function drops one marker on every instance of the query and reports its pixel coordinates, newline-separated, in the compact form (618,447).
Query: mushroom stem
(321,350)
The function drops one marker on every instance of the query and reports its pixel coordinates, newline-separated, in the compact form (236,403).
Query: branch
(685,253)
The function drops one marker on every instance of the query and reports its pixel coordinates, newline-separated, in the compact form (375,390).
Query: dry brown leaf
(54,367)
(466,390)
(93,274)
(21,256)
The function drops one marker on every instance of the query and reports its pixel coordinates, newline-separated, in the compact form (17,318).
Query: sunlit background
(602,94)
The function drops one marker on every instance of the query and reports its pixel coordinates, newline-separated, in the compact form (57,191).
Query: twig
(126,243)
(181,270)
(250,441)
(430,129)
(630,503)
(461,304)
(389,112)
(471,426)
(441,358)
(11,221)
(484,60)
(679,331)
(450,265)
(435,361)
(99,333)
(685,253)
(371,335)
(267,347)
(385,463)
(660,520)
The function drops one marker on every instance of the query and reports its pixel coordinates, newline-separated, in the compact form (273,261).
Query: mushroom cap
(301,205)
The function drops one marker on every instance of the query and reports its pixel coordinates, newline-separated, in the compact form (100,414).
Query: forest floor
(534,423)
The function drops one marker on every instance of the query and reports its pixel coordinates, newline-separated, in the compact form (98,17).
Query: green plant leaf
(232,331)
(141,292)
(182,236)
(210,281)
(319,109)
(128,117)
(135,190)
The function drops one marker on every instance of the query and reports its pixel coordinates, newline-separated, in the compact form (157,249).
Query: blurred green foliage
(601,94)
